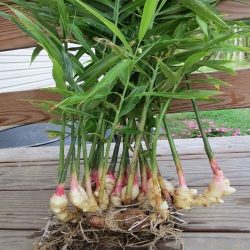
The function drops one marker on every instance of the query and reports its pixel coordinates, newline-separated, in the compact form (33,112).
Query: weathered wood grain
(234,10)
(17,109)
(234,144)
(42,175)
(21,240)
(29,210)
(211,241)
(16,240)
(235,96)
(11,37)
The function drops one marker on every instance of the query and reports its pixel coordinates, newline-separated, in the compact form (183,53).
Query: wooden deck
(28,177)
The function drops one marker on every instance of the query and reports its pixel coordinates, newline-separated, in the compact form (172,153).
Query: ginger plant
(139,53)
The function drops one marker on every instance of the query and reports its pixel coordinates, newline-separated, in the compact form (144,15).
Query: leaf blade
(147,16)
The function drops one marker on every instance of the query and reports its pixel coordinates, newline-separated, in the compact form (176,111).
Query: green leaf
(212,65)
(110,105)
(219,38)
(147,17)
(107,82)
(63,92)
(128,131)
(180,29)
(64,16)
(79,36)
(186,94)
(37,32)
(132,99)
(208,80)
(202,24)
(58,73)
(130,8)
(101,89)
(193,59)
(105,21)
(172,76)
(35,53)
(203,10)
(97,69)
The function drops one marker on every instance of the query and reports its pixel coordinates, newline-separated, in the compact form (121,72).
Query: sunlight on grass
(225,121)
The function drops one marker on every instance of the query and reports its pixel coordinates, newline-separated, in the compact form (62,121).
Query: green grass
(231,119)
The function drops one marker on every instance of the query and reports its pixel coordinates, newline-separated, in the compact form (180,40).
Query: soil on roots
(116,228)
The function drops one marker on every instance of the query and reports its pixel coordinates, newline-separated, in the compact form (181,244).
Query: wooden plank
(17,109)
(16,240)
(20,240)
(235,96)
(29,210)
(31,175)
(229,216)
(210,241)
(234,144)
(11,36)
(234,10)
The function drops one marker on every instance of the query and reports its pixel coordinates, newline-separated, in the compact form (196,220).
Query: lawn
(231,122)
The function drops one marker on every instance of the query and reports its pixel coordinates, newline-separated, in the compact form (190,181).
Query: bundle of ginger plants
(140,54)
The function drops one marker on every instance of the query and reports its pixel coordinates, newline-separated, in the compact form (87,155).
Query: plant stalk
(115,154)
(179,170)
(212,161)
(128,196)
(62,144)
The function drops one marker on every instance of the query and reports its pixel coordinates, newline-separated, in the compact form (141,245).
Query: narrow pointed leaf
(132,100)
(193,59)
(186,94)
(35,53)
(202,24)
(57,72)
(147,17)
(105,21)
(203,10)
(79,36)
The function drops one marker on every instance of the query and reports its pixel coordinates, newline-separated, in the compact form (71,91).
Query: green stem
(62,141)
(74,168)
(115,154)
(124,158)
(64,172)
(157,131)
(92,152)
(86,164)
(100,158)
(137,146)
(78,155)
(207,146)
(213,163)
(179,170)
(116,16)
(143,171)
(121,171)
(117,116)
(156,135)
